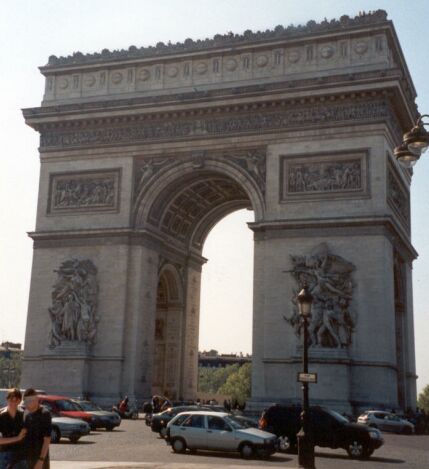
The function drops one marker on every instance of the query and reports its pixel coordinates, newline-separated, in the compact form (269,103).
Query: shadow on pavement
(371,459)
(275,458)
(79,443)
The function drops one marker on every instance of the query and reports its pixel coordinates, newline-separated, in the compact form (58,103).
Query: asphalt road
(133,441)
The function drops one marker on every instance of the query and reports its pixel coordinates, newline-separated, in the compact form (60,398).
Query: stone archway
(168,334)
(179,204)
(145,150)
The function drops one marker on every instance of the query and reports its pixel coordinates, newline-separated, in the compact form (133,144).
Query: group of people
(25,434)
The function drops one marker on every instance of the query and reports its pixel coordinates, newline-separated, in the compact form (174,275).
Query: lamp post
(415,142)
(305,437)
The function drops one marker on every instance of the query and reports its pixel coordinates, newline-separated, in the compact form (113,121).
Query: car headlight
(374,434)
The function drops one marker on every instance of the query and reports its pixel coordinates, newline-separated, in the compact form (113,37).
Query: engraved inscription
(84,191)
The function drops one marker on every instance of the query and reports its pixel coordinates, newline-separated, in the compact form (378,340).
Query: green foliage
(423,400)
(10,371)
(238,384)
(212,379)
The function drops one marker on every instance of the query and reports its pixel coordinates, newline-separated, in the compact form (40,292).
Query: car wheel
(284,443)
(109,428)
(74,438)
(55,435)
(407,431)
(163,432)
(356,449)
(246,450)
(179,445)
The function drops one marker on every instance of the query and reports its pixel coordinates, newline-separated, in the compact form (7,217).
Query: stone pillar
(139,326)
(190,333)
(410,359)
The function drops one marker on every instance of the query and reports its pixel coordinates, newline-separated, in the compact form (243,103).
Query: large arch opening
(182,210)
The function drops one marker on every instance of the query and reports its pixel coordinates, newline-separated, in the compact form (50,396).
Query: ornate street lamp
(305,437)
(415,142)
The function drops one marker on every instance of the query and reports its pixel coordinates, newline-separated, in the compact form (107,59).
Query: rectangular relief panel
(324,176)
(398,197)
(84,191)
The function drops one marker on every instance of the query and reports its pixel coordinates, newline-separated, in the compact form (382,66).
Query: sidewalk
(144,465)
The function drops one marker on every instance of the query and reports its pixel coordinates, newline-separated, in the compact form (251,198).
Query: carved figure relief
(398,197)
(325,177)
(84,191)
(329,278)
(255,122)
(74,303)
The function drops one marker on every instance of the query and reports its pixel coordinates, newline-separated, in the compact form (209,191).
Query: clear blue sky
(32,30)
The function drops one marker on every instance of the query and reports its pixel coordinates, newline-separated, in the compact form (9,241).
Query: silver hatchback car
(218,431)
(386,421)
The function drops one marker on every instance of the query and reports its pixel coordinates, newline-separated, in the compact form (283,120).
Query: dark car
(100,418)
(159,421)
(329,428)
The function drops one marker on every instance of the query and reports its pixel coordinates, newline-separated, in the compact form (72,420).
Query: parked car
(66,427)
(65,407)
(330,430)
(221,431)
(386,421)
(101,418)
(158,422)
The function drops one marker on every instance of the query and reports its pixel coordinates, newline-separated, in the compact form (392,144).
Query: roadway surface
(134,442)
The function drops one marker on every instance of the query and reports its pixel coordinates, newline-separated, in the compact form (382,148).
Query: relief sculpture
(325,177)
(74,303)
(398,197)
(71,192)
(329,278)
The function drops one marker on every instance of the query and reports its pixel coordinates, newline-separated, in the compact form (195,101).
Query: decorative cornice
(226,40)
(292,86)
(385,225)
(259,117)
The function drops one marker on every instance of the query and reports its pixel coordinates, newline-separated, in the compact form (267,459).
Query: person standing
(12,429)
(37,422)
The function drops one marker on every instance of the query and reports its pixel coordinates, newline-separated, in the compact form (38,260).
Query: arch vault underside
(144,151)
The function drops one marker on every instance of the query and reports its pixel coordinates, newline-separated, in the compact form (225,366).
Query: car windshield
(235,423)
(337,416)
(68,406)
(88,406)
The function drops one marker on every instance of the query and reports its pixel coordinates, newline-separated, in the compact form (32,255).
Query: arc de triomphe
(143,151)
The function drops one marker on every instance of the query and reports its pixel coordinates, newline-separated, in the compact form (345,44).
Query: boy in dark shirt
(11,427)
(37,422)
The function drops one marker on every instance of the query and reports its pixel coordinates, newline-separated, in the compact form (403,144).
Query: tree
(211,379)
(10,371)
(238,384)
(423,400)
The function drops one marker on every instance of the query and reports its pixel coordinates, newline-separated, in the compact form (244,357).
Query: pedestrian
(12,453)
(37,422)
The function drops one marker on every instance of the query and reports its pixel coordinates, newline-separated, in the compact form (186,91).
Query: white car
(386,421)
(66,427)
(218,431)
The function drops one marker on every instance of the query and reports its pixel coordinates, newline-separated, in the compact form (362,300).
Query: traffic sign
(307,377)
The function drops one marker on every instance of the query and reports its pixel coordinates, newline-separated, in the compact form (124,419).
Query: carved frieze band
(320,176)
(84,192)
(201,127)
(398,197)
